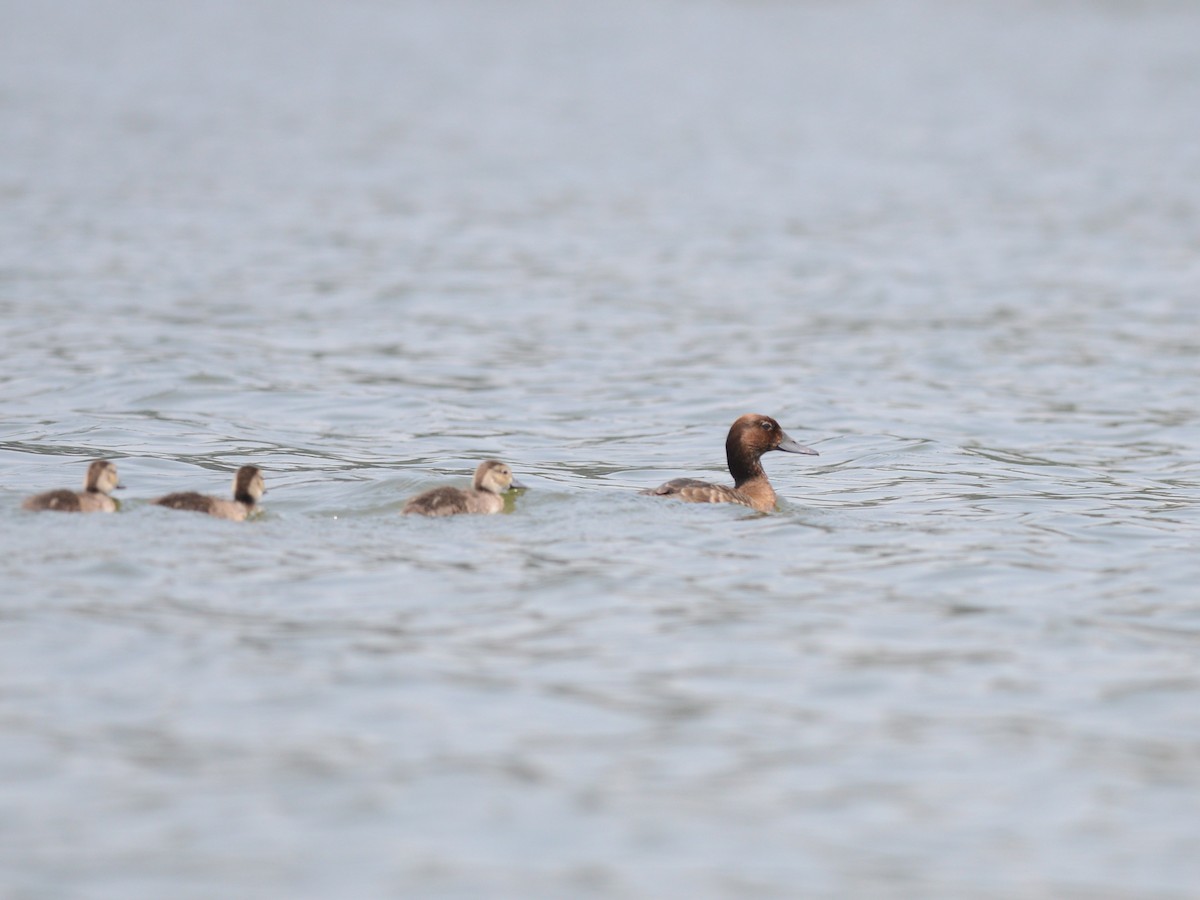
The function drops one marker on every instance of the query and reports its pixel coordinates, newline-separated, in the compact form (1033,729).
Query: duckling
(492,478)
(749,438)
(101,480)
(248,488)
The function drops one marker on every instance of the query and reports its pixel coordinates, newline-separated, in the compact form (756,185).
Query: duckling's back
(187,500)
(190,501)
(70,501)
(62,501)
(449,501)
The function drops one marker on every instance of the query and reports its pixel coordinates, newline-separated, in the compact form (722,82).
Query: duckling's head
(754,434)
(248,486)
(495,476)
(101,477)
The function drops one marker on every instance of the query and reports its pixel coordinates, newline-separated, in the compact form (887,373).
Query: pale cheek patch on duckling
(248,485)
(108,480)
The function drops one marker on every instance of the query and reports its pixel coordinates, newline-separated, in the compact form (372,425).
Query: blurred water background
(955,247)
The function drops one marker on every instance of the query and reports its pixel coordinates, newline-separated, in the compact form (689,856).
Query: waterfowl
(492,478)
(101,480)
(749,438)
(248,488)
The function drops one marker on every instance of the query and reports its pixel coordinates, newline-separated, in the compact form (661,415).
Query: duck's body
(492,479)
(248,488)
(101,479)
(756,493)
(749,438)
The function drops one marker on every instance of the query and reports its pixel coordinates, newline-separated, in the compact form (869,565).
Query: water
(365,245)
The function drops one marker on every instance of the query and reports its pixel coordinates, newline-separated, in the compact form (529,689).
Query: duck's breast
(96,502)
(232,510)
(484,502)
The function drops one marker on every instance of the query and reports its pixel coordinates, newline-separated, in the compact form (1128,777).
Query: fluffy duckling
(492,478)
(248,488)
(749,438)
(101,480)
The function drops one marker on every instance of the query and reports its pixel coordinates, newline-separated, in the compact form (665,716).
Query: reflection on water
(367,246)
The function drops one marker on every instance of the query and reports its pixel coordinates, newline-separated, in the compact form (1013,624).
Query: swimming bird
(248,488)
(100,481)
(749,438)
(492,478)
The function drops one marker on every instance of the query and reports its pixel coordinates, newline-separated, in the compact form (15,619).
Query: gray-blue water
(955,247)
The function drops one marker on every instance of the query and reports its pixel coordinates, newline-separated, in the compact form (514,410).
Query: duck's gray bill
(787,445)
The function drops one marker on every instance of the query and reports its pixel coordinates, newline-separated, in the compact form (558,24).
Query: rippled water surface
(365,245)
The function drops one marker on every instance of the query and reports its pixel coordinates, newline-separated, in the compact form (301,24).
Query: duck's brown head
(101,477)
(750,437)
(248,485)
(495,476)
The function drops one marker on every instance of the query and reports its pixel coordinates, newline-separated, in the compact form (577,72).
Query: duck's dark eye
(767,426)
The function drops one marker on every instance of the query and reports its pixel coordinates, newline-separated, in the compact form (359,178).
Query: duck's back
(693,490)
(450,501)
